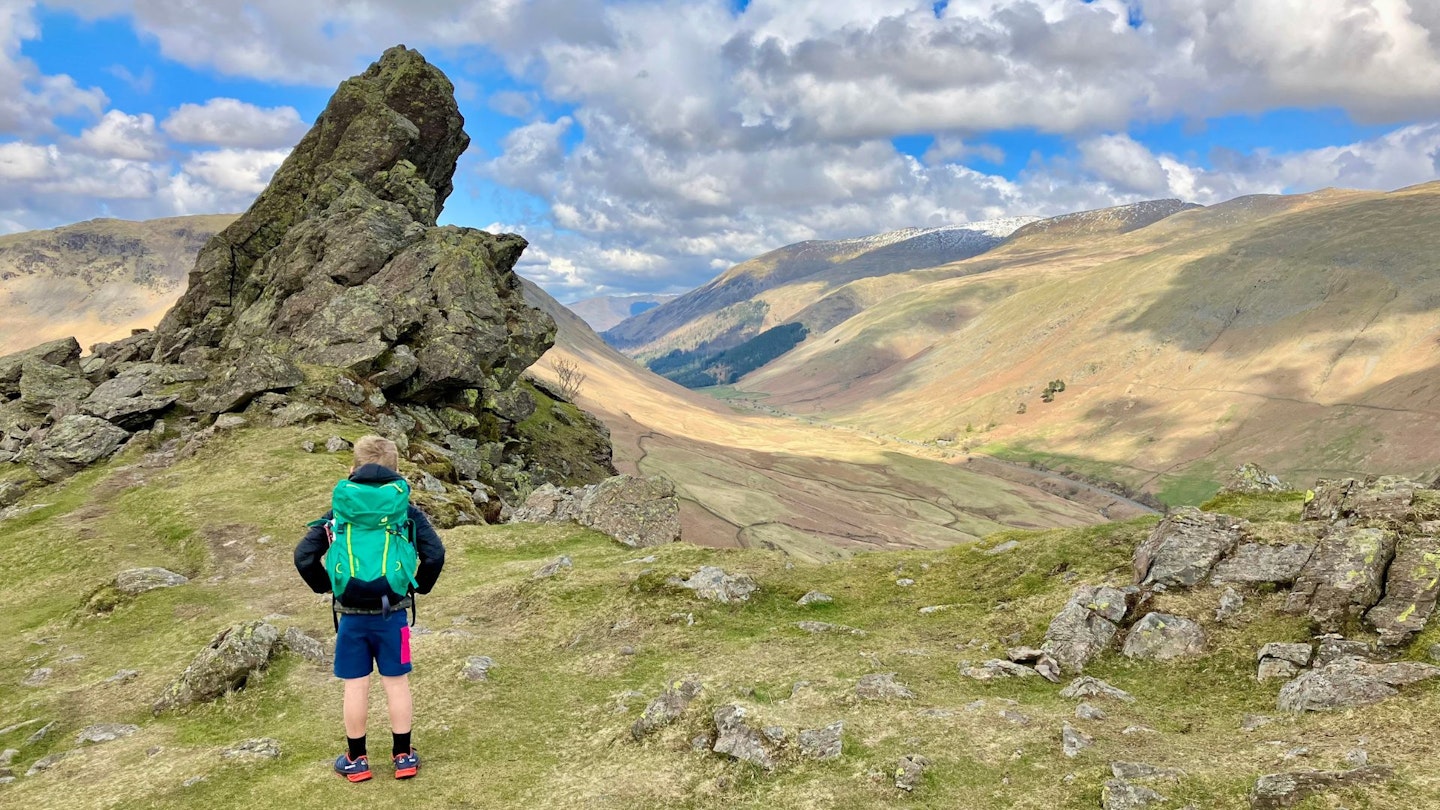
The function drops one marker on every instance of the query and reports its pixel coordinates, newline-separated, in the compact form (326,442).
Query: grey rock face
(1085,627)
(666,709)
(1255,563)
(64,352)
(227,663)
(1350,682)
(477,668)
(882,686)
(104,732)
(1185,546)
(735,738)
(1279,790)
(254,749)
(716,585)
(822,743)
(1387,498)
(44,386)
(910,772)
(1412,583)
(139,580)
(1164,637)
(75,442)
(1344,577)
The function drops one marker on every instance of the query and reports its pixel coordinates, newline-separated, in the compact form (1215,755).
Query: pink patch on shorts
(405,644)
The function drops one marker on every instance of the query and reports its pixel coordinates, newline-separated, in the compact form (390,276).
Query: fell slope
(96,280)
(606,311)
(1298,332)
(771,289)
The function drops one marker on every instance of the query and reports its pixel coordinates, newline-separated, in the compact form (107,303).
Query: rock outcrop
(227,663)
(335,294)
(640,512)
(1085,627)
(1186,545)
(1344,577)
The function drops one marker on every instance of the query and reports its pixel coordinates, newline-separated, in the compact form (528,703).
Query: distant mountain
(96,280)
(605,311)
(1298,332)
(772,289)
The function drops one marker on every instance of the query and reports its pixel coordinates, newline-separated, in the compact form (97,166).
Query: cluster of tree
(1055,387)
(703,369)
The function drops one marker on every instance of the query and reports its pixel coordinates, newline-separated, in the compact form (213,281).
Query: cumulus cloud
(123,136)
(30,100)
(231,122)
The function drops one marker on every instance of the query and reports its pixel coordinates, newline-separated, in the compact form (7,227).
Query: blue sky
(646,146)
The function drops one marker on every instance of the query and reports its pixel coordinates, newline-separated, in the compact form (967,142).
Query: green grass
(550,727)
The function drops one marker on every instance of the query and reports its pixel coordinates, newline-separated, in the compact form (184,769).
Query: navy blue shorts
(363,640)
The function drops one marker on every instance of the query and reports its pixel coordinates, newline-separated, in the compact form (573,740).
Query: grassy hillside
(95,280)
(606,311)
(577,657)
(1292,331)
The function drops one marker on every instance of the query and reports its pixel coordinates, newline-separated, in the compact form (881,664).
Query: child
(378,551)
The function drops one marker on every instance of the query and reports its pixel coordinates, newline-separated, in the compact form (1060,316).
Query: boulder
(477,668)
(1381,498)
(1256,563)
(1164,637)
(735,738)
(1411,585)
(227,663)
(1119,794)
(251,376)
(553,567)
(1231,603)
(1185,546)
(814,598)
(1279,790)
(296,642)
(995,669)
(1085,627)
(1278,660)
(1073,741)
(910,772)
(64,352)
(716,585)
(1344,577)
(1088,687)
(637,512)
(882,686)
(667,708)
(1141,770)
(1250,478)
(826,627)
(1350,682)
(44,387)
(822,743)
(130,413)
(105,732)
(139,580)
(74,443)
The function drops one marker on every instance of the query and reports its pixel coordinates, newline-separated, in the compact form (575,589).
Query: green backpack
(371,536)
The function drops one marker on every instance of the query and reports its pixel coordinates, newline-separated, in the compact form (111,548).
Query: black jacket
(367,595)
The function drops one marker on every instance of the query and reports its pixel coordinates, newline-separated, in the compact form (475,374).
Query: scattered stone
(1358,758)
(1118,794)
(1007,546)
(45,763)
(1024,655)
(1164,637)
(1231,603)
(1344,577)
(1185,546)
(1140,770)
(256,749)
(477,668)
(227,663)
(995,668)
(826,627)
(627,650)
(702,743)
(775,734)
(1334,647)
(905,582)
(7,757)
(1252,722)
(814,598)
(930,609)
(74,443)
(737,739)
(716,585)
(882,686)
(1014,718)
(38,676)
(910,772)
(1085,711)
(104,732)
(308,447)
(822,743)
(139,580)
(1279,790)
(42,733)
(192,781)
(1256,563)
(17,726)
(335,444)
(1048,668)
(1129,730)
(553,567)
(229,421)
(1088,687)
(667,708)
(1073,741)
(1411,585)
(295,641)
(1350,682)
(1085,627)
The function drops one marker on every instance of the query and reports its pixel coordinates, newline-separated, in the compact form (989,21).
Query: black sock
(357,747)
(402,743)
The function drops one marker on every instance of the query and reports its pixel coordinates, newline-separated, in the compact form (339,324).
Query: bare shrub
(569,377)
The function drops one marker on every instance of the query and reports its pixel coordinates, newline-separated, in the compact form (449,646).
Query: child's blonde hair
(377,450)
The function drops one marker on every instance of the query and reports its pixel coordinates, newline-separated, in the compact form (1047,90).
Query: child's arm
(432,552)
(307,558)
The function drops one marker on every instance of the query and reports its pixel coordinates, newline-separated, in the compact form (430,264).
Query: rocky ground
(172,658)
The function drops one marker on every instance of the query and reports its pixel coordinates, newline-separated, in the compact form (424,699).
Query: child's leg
(357,705)
(398,701)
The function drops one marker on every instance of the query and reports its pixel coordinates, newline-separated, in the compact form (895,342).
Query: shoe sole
(356,777)
(406,773)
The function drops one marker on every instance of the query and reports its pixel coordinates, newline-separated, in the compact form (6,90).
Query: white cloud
(243,171)
(123,136)
(30,100)
(1125,164)
(230,122)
